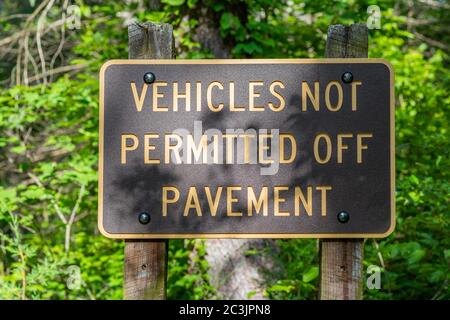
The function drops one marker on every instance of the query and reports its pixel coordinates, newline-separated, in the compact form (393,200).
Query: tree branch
(72,217)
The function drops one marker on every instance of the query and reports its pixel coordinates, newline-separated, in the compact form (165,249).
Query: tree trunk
(234,274)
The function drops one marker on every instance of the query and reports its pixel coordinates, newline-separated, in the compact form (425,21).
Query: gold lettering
(211,106)
(215,146)
(231,200)
(148,147)
(197,150)
(213,204)
(262,146)
(166,200)
(338,105)
(252,95)
(277,95)
(262,201)
(124,148)
(157,95)
(175,148)
(291,138)
(316,148)
(186,96)
(139,100)
(341,146)
(247,138)
(306,93)
(299,197)
(192,202)
(354,84)
(199,95)
(277,200)
(323,190)
(360,146)
(232,106)
(229,141)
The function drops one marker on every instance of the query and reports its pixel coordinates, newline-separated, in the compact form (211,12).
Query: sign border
(244,235)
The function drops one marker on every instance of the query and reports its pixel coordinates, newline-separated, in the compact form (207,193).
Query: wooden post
(341,261)
(146,260)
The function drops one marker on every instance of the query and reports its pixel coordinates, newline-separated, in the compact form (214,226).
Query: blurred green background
(50,55)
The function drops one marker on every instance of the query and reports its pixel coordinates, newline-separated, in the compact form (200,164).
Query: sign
(246,148)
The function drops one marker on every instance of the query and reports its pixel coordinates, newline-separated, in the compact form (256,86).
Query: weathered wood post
(341,261)
(146,260)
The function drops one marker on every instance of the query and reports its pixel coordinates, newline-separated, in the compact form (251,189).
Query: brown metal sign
(285,148)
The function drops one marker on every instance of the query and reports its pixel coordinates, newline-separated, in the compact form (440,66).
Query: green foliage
(59,123)
(299,278)
(188,271)
(416,265)
(49,141)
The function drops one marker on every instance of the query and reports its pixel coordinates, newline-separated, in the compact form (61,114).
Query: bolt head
(347,77)
(343,217)
(144,217)
(149,77)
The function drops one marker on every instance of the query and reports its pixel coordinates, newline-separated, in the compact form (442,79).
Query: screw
(149,77)
(144,217)
(347,77)
(343,217)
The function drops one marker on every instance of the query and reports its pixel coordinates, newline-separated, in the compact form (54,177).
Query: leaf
(283,288)
(33,193)
(7,196)
(416,256)
(251,252)
(229,21)
(447,254)
(192,3)
(174,3)
(19,149)
(311,274)
(414,179)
